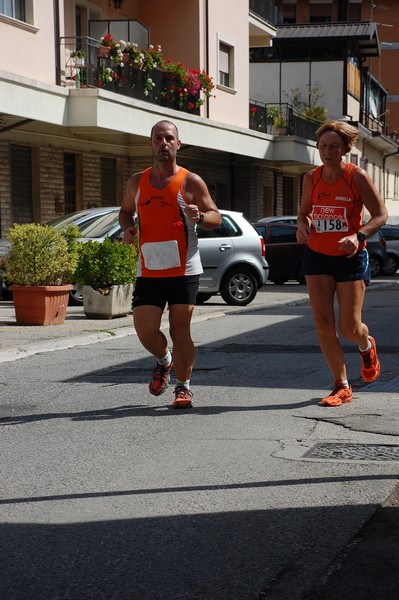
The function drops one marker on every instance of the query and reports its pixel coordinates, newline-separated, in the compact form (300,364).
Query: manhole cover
(332,451)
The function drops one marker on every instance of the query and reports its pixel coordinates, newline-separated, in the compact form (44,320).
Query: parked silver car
(233,259)
(233,256)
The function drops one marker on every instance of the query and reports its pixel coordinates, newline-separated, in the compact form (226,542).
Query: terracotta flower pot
(103,51)
(40,305)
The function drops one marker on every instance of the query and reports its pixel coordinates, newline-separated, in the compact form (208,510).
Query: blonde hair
(348,133)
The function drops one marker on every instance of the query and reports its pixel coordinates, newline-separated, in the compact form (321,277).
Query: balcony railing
(376,126)
(96,70)
(281,119)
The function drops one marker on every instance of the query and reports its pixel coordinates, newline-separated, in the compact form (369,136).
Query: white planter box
(118,303)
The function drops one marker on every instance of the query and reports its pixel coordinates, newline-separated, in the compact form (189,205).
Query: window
(395,185)
(390,234)
(289,14)
(228,228)
(288,193)
(130,31)
(282,234)
(226,65)
(21,184)
(13,8)
(69,182)
(355,12)
(320,13)
(108,181)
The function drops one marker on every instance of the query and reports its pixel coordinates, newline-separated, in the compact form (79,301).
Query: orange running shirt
(168,243)
(337,211)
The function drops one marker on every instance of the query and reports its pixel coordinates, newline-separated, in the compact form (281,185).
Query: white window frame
(229,43)
(12,20)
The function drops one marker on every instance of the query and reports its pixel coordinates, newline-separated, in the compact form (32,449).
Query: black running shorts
(339,267)
(159,291)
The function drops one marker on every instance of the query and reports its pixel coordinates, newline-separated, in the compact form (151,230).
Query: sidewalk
(20,341)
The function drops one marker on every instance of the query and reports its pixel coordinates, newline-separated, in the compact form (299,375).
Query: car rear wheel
(391,265)
(375,266)
(239,287)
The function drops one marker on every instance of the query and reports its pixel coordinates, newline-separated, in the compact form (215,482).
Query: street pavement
(368,566)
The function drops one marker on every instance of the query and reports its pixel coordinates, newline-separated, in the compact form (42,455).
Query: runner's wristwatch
(361,237)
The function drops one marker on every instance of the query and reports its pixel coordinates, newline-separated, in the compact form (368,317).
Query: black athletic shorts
(339,267)
(159,291)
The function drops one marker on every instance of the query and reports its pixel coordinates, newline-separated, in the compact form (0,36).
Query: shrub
(104,264)
(41,255)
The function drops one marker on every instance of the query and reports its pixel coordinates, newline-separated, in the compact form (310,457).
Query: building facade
(73,131)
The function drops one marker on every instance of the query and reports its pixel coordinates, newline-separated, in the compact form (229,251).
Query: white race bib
(327,219)
(159,256)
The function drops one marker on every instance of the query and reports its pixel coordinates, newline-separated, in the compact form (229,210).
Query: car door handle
(224,247)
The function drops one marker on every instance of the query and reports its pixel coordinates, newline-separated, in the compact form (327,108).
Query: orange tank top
(163,235)
(336,213)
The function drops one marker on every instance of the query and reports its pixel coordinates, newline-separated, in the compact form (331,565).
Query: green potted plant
(317,113)
(79,56)
(107,271)
(272,112)
(40,267)
(280,123)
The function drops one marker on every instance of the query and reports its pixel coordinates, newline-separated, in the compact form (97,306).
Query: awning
(363,34)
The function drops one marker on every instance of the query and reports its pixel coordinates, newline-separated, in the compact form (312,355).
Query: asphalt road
(255,493)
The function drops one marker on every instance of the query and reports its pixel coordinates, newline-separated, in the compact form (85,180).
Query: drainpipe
(57,51)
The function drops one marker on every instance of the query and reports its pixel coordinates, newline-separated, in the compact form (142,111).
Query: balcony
(281,120)
(88,63)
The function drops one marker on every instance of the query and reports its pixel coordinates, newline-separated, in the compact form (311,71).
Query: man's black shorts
(339,267)
(159,291)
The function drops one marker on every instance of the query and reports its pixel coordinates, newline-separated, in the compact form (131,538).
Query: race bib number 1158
(329,219)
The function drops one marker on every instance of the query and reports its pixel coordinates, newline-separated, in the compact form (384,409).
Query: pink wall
(175,26)
(29,51)
(230,21)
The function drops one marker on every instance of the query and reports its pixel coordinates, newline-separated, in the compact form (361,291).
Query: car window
(101,226)
(66,220)
(390,234)
(228,228)
(280,234)
(261,230)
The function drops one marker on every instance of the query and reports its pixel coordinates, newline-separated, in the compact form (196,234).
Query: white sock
(345,383)
(366,349)
(166,360)
(186,383)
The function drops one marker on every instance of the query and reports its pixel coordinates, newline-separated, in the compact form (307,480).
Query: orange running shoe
(182,397)
(160,379)
(339,395)
(370,364)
